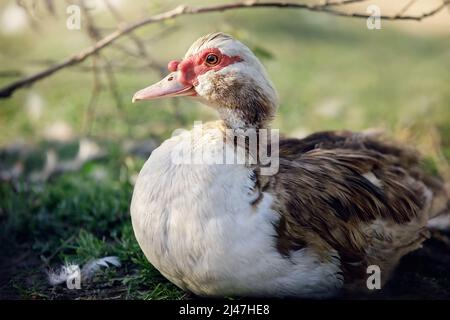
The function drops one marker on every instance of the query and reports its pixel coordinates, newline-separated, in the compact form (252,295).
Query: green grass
(331,73)
(74,218)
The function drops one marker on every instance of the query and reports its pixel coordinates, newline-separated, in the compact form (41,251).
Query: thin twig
(89,113)
(125,28)
(142,50)
(114,88)
(95,35)
(116,65)
(143,53)
(406,7)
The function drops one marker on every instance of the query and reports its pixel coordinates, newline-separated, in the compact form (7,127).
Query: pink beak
(170,86)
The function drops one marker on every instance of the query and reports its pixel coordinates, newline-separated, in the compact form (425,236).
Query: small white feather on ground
(87,272)
(90,268)
(64,273)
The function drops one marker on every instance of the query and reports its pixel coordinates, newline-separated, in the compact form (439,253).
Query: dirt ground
(423,274)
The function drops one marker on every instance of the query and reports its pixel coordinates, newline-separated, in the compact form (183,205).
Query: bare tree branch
(118,66)
(126,28)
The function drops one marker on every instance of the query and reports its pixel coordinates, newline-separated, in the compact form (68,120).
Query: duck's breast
(196,224)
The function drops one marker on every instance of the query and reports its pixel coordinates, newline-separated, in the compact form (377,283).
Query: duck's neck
(244,103)
(254,114)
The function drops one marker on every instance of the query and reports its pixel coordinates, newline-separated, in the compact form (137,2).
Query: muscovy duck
(337,203)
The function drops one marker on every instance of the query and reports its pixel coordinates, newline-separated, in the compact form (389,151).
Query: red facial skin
(195,66)
(173,65)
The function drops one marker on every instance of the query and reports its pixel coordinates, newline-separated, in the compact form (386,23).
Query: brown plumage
(326,202)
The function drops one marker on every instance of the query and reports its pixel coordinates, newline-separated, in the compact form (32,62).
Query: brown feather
(325,202)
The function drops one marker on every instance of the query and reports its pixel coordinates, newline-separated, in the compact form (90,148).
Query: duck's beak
(170,86)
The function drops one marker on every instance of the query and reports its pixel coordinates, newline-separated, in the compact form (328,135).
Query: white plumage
(196,225)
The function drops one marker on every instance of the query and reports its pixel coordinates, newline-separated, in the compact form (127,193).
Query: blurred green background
(331,73)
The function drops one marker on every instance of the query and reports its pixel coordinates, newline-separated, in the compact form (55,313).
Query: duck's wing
(349,194)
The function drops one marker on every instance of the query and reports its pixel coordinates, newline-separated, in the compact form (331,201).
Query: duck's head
(224,74)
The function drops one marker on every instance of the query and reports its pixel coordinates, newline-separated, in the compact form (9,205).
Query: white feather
(87,272)
(61,275)
(90,268)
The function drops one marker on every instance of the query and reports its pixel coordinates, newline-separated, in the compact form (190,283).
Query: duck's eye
(212,59)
